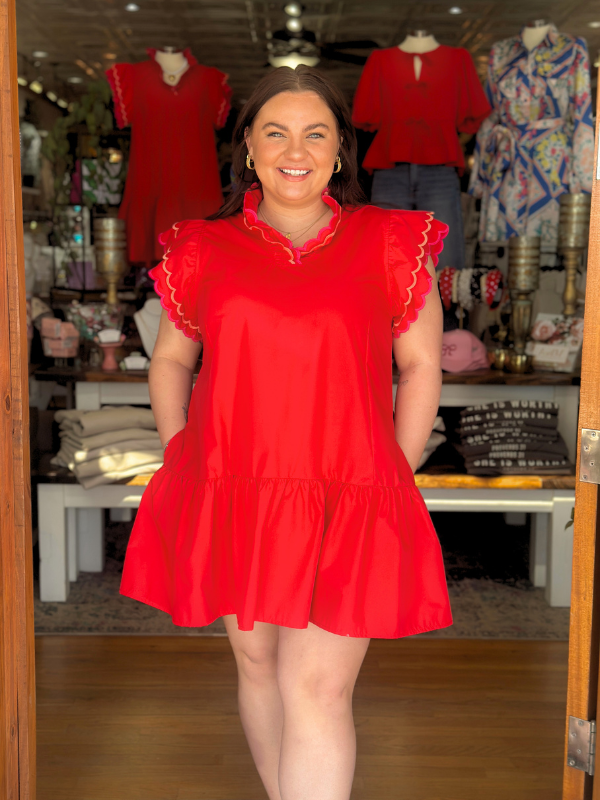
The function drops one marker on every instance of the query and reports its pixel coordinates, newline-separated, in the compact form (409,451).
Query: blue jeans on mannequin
(428,187)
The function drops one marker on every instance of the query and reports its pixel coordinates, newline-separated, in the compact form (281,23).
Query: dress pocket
(173,447)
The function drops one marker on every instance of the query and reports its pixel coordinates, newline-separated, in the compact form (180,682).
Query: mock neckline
(252,198)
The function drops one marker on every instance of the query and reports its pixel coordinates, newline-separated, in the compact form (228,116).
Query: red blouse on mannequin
(417,120)
(173,171)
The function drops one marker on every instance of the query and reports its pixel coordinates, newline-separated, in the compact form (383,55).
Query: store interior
(498,480)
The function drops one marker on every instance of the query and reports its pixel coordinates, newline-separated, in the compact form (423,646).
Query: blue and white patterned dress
(538,142)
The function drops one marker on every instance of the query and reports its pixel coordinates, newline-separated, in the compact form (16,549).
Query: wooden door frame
(17,644)
(582,693)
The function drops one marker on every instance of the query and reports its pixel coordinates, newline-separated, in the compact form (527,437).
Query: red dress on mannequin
(173,171)
(286,498)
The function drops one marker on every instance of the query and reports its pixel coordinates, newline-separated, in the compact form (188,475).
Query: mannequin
(174,104)
(418,41)
(535,32)
(419,96)
(174,64)
(147,320)
(537,110)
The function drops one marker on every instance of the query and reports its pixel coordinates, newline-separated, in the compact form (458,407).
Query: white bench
(71,534)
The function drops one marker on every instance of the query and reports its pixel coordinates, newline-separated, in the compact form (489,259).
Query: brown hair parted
(343,185)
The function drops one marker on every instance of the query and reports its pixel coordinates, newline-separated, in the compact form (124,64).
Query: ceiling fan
(296,44)
(285,46)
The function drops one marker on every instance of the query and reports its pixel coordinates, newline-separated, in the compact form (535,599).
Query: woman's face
(294,142)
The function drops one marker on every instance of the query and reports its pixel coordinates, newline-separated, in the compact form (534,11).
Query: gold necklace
(295,234)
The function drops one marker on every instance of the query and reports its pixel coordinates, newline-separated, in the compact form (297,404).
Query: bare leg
(317,671)
(259,701)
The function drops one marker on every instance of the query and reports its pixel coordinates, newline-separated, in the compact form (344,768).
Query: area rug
(488,602)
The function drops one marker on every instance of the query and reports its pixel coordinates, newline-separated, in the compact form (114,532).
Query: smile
(295,172)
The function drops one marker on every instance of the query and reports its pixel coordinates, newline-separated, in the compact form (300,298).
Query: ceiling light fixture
(455,10)
(22,81)
(294,24)
(40,54)
(110,56)
(52,96)
(36,87)
(293,60)
(75,79)
(293,9)
(132,7)
(62,103)
(595,24)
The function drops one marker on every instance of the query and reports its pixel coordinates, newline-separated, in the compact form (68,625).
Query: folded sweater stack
(105,446)
(513,437)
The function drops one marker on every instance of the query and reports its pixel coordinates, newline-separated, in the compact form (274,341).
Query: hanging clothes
(173,170)
(538,142)
(417,121)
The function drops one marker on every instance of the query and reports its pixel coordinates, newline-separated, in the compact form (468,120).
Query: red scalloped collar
(152,51)
(252,198)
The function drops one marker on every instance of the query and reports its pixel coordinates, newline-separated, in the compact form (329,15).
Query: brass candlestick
(573,234)
(523,279)
(110,244)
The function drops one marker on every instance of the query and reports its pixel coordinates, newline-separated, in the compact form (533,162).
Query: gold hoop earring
(338,165)
(248,160)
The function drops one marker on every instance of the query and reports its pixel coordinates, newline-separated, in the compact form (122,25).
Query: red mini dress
(173,169)
(286,498)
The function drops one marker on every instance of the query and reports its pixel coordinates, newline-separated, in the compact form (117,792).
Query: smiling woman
(295,120)
(287,502)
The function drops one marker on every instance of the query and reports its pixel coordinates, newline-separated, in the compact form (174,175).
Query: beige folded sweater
(109,418)
(116,463)
(69,454)
(108,438)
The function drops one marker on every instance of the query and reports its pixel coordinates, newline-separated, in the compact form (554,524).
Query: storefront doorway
(250,45)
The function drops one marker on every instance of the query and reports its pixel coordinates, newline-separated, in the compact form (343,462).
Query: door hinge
(589,456)
(581,749)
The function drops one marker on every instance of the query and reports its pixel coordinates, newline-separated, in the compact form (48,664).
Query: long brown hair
(343,185)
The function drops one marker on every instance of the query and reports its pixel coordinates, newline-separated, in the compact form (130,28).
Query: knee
(257,664)
(316,689)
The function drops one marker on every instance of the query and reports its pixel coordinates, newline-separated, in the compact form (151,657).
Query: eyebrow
(284,128)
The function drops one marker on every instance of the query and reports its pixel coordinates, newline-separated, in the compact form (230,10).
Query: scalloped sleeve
(219,93)
(414,237)
(177,277)
(120,78)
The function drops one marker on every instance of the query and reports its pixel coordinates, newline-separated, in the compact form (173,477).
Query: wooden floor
(155,718)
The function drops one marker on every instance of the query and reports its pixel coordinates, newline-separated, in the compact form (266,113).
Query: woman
(287,502)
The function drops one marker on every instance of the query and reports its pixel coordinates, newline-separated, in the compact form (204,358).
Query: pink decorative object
(110,362)
(59,339)
(50,327)
(462,351)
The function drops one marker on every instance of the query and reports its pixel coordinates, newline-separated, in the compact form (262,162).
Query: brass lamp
(523,280)
(573,234)
(110,245)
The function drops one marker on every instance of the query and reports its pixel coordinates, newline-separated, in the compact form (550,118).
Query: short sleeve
(414,237)
(473,105)
(120,78)
(177,277)
(366,110)
(219,93)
